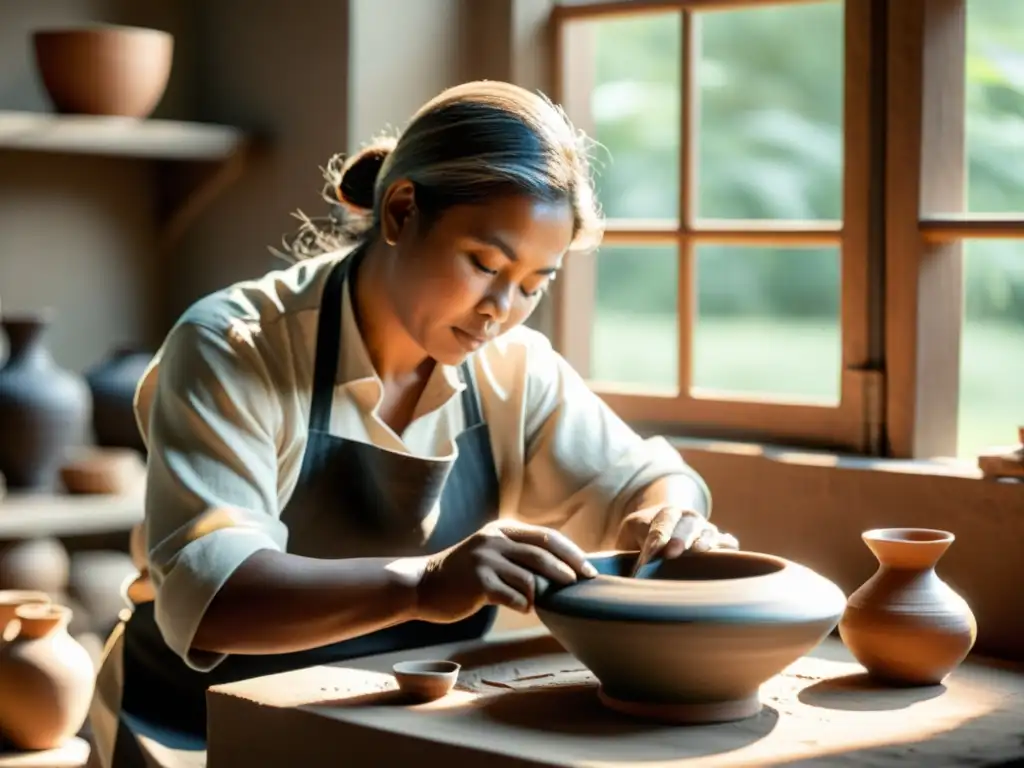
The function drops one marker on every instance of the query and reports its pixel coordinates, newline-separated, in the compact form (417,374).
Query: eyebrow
(495,241)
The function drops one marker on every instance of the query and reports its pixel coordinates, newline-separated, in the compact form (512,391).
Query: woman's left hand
(668,532)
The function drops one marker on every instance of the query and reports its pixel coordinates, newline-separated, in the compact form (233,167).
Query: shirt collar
(355,369)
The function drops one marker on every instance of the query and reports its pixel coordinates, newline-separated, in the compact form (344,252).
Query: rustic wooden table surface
(522,702)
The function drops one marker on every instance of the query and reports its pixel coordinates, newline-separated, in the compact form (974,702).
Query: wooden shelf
(28,515)
(199,161)
(118,136)
(73,754)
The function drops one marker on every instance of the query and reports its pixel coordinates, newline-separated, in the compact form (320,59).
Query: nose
(497,304)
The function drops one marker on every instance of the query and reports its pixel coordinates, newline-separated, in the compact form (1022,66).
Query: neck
(396,357)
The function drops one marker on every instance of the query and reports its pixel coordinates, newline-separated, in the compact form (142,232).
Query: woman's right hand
(497,565)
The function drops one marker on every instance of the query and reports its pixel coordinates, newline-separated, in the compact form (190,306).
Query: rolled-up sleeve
(583,464)
(211,423)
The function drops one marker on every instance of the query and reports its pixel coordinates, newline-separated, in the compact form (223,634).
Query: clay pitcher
(46,680)
(10,600)
(905,624)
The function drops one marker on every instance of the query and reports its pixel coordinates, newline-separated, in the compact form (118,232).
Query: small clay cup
(426,680)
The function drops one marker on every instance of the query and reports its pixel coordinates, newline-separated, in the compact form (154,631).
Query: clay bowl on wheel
(690,639)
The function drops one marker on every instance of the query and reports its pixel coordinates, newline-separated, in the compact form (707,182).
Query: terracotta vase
(905,625)
(690,639)
(10,601)
(46,680)
(44,410)
(113,382)
(104,69)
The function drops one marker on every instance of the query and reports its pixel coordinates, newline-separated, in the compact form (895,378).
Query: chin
(453,350)
(449,356)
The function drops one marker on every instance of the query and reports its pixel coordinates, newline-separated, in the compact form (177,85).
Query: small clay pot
(426,680)
(905,624)
(690,639)
(46,680)
(96,581)
(104,471)
(40,564)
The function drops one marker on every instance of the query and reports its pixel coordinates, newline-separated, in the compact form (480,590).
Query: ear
(397,210)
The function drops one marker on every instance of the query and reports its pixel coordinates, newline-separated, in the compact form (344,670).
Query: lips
(470,341)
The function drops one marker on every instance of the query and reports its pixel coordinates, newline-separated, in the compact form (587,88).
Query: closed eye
(480,266)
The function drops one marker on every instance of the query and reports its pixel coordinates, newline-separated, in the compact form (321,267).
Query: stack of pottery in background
(46,414)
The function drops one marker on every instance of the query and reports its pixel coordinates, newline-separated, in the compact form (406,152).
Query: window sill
(955,468)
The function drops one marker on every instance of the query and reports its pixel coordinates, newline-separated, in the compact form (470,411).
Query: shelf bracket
(187,188)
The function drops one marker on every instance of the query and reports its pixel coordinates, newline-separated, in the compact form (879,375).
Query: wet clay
(691,639)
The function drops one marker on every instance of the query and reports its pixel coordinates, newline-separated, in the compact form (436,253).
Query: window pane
(770,139)
(768,322)
(636,335)
(634,114)
(992,345)
(995,106)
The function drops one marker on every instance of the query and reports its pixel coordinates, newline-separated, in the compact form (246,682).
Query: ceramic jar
(905,625)
(46,680)
(690,639)
(44,410)
(112,383)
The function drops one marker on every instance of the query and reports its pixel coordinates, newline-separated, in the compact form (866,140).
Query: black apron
(346,490)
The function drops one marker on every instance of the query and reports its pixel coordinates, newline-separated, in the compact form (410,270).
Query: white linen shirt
(224,409)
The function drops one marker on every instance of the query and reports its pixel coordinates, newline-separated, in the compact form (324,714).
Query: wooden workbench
(522,702)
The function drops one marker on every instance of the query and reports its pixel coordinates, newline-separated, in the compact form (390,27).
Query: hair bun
(359,174)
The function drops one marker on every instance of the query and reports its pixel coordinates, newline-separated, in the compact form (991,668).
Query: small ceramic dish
(426,680)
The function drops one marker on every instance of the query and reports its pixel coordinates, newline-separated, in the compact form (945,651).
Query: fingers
(507,583)
(539,561)
(673,532)
(707,538)
(550,542)
(517,595)
(660,533)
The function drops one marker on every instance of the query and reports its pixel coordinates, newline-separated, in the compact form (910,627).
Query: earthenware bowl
(690,639)
(104,69)
(426,680)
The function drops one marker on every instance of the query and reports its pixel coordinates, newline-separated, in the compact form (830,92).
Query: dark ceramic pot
(112,383)
(44,409)
(691,639)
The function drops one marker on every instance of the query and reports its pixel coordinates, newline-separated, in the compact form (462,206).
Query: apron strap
(328,344)
(471,410)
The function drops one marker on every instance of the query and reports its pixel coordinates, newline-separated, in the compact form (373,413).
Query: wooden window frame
(854,424)
(901,237)
(926,186)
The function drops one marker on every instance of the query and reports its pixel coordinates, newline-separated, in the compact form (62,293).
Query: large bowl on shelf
(104,69)
(690,639)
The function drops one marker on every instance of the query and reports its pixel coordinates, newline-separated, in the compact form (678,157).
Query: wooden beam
(611,8)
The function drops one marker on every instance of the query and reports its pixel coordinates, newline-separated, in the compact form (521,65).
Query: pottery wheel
(685,714)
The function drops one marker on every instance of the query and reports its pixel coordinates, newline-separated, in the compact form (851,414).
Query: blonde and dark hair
(471,142)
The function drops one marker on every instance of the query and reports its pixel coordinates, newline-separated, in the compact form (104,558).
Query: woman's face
(476,272)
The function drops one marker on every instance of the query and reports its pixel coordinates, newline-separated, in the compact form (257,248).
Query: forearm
(279,603)
(681,491)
